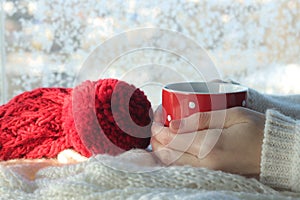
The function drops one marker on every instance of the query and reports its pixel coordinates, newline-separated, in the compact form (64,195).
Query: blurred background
(44,43)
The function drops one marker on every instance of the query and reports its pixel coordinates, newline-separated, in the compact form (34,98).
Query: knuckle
(238,110)
(161,138)
(165,140)
(197,120)
(164,137)
(156,129)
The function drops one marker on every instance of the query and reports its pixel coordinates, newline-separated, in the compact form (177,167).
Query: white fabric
(132,175)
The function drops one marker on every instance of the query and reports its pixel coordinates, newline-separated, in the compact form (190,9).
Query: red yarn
(30,124)
(107,116)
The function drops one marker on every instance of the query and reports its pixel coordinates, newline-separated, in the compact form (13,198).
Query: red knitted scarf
(105,116)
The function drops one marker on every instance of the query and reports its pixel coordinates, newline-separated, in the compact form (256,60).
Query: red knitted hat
(105,116)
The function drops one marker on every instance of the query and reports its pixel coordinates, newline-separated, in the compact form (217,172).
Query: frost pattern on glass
(46,42)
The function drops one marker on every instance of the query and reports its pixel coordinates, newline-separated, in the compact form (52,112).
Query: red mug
(180,100)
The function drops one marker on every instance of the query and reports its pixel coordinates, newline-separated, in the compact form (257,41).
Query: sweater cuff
(280,152)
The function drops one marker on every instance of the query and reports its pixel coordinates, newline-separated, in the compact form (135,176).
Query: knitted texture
(281,145)
(30,124)
(110,116)
(45,121)
(280,164)
(97,179)
(288,105)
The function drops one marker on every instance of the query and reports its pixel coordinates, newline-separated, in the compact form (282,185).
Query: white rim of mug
(241,89)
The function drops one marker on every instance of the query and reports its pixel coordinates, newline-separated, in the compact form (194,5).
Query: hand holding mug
(181,100)
(237,150)
(204,125)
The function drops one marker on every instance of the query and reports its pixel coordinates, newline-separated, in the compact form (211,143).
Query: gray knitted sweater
(280,160)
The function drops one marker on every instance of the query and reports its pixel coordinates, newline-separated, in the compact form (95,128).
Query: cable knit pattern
(280,163)
(134,175)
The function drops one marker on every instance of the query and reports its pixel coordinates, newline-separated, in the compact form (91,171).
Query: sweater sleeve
(280,158)
(288,105)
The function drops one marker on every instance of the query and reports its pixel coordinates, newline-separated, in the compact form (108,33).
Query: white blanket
(132,175)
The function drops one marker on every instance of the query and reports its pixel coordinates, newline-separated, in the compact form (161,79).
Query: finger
(160,114)
(181,142)
(163,154)
(199,121)
(198,143)
(208,120)
(169,156)
(157,128)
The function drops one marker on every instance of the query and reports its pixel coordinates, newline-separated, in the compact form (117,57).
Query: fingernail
(175,124)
